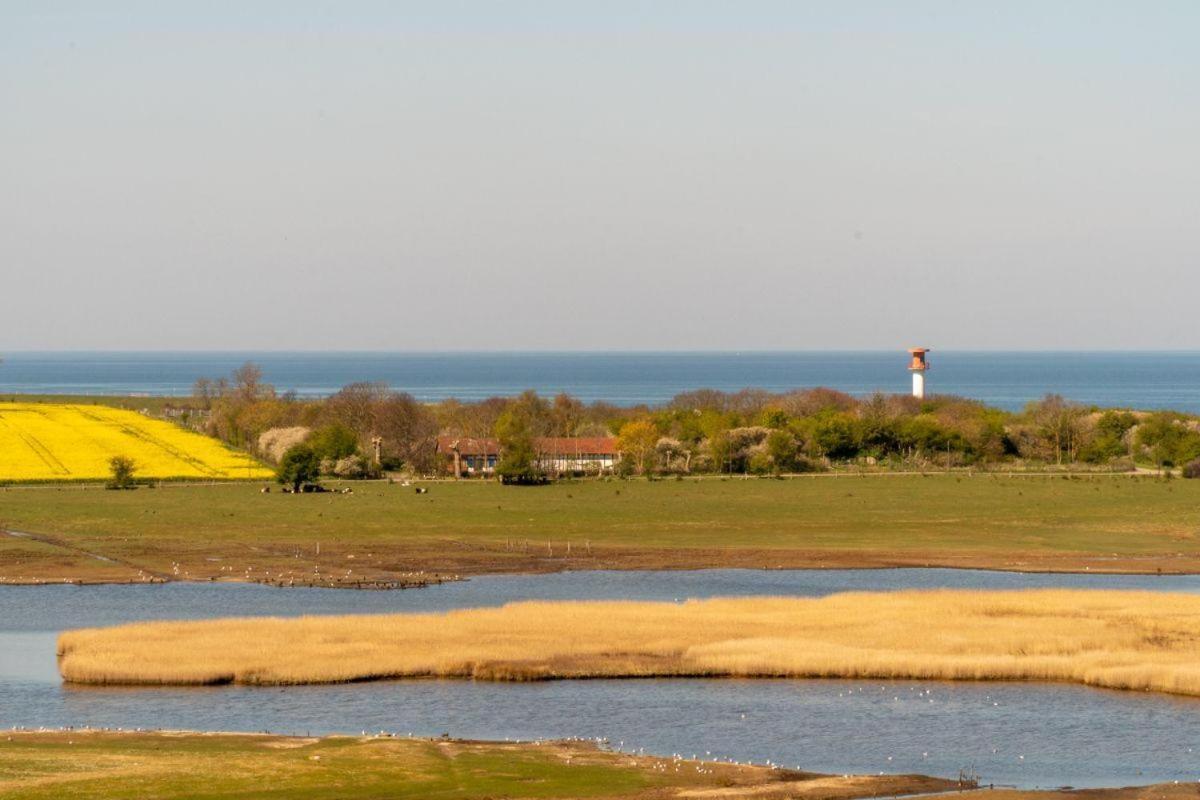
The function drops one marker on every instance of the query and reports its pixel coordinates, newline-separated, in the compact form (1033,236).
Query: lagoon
(1023,734)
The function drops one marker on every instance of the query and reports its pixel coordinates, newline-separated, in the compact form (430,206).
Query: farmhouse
(465,456)
(574,454)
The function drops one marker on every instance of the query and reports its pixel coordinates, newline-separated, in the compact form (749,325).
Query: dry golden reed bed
(1119,640)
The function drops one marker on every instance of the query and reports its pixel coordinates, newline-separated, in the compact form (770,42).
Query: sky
(602,176)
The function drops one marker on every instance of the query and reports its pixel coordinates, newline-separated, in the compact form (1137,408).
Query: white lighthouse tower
(917,367)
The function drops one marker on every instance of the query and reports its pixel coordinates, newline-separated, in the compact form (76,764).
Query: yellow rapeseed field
(46,441)
(1115,639)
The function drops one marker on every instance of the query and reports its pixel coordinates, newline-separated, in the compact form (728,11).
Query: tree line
(704,431)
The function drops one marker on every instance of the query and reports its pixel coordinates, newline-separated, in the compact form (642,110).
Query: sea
(1008,380)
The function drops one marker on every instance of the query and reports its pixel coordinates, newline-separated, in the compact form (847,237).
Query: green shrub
(333,442)
(1108,442)
(1168,440)
(299,466)
(122,468)
(761,463)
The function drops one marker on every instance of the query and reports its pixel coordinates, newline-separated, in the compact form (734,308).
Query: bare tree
(1059,424)
(202,391)
(248,384)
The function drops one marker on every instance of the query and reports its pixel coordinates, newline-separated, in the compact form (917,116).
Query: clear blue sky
(651,175)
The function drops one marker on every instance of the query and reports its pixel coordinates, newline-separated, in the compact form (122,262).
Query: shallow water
(1028,734)
(53,608)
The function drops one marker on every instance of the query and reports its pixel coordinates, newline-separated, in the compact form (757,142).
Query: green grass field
(112,766)
(1101,523)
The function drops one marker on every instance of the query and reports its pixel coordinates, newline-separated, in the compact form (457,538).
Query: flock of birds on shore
(702,765)
(674,761)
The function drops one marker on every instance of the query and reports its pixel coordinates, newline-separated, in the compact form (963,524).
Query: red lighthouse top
(918,363)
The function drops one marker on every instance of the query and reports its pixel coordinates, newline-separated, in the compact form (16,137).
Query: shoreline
(705,778)
(787,561)
(339,765)
(609,559)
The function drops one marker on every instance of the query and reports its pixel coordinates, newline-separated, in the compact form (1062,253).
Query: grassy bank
(1118,640)
(382,531)
(126,765)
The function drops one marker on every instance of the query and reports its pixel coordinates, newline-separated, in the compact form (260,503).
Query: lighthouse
(917,367)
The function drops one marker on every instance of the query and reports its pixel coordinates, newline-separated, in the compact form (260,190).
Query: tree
(673,454)
(876,428)
(202,391)
(636,442)
(921,434)
(242,410)
(701,400)
(758,462)
(247,383)
(1169,439)
(300,465)
(744,443)
(355,466)
(719,447)
(518,455)
(566,415)
(833,436)
(534,411)
(810,402)
(122,468)
(782,449)
(354,406)
(1058,424)
(773,418)
(1108,439)
(334,442)
(408,429)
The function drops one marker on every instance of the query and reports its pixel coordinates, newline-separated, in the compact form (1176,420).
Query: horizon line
(586,351)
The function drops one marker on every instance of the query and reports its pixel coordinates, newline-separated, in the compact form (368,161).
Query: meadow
(1105,523)
(1112,639)
(65,442)
(110,765)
